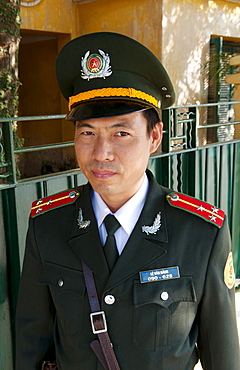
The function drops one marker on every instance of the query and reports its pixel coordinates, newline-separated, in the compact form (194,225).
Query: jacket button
(109,299)
(164,296)
(60,282)
(174,197)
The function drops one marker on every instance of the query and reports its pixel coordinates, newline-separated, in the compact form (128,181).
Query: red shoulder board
(54,201)
(197,207)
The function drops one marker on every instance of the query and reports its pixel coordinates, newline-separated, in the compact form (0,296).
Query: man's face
(113,154)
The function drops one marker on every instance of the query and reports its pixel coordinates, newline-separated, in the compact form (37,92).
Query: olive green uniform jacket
(160,325)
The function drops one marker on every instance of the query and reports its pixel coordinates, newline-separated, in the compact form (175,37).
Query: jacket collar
(141,248)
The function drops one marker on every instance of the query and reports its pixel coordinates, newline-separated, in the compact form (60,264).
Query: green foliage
(9,42)
(10,17)
(9,82)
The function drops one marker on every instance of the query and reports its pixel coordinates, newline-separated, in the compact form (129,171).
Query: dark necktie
(110,247)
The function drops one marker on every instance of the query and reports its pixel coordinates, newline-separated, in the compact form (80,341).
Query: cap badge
(95,65)
(155,226)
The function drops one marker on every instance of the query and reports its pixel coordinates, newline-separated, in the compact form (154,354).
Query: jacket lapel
(85,242)
(142,249)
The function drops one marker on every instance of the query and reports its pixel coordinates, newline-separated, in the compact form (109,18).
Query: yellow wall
(49,16)
(140,19)
(187,29)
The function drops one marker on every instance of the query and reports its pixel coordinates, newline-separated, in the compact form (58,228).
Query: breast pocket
(67,287)
(161,310)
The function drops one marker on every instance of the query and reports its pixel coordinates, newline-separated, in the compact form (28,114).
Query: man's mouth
(102,174)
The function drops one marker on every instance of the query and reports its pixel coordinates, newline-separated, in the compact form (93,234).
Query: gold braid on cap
(112,92)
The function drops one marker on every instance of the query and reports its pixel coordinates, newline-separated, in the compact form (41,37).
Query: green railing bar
(43,147)
(37,179)
(178,137)
(33,118)
(219,124)
(204,105)
(4,176)
(4,164)
(207,146)
(61,116)
(186,120)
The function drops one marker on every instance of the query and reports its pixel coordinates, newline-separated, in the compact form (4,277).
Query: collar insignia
(95,65)
(155,227)
(81,223)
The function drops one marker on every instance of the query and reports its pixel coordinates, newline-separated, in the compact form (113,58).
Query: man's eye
(122,133)
(87,133)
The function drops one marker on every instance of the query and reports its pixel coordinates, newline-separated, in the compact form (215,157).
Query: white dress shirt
(127,215)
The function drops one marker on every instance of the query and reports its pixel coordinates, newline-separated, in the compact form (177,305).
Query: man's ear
(156,137)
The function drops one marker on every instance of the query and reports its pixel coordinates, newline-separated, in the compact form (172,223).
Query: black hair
(152,118)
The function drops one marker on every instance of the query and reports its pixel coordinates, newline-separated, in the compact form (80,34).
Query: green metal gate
(185,163)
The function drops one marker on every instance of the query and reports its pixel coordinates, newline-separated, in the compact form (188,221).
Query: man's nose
(103,150)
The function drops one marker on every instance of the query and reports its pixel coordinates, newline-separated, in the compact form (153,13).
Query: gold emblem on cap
(95,65)
(229,277)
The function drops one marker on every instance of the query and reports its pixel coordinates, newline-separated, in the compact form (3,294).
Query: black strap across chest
(102,347)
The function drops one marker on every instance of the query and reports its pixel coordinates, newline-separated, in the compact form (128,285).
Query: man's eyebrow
(119,124)
(122,124)
(83,124)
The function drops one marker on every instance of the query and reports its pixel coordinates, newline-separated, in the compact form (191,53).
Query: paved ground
(198,366)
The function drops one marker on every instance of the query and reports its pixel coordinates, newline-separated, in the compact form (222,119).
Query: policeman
(122,273)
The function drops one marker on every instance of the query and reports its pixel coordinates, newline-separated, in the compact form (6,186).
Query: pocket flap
(164,293)
(63,279)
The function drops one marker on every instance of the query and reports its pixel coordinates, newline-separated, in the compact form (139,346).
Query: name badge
(161,274)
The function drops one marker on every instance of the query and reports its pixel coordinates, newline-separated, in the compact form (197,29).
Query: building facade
(178,32)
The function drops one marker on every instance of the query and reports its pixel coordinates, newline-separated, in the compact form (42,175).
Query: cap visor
(103,109)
